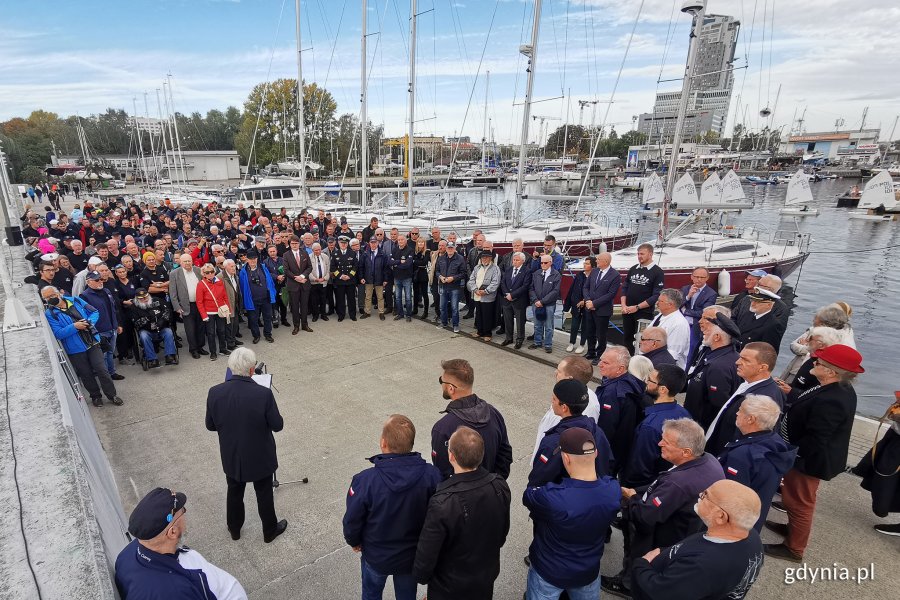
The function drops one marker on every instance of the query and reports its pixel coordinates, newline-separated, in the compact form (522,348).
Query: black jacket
(547,466)
(726,430)
(344,263)
(711,382)
(244,414)
(386,507)
(518,287)
(458,555)
(769,328)
(473,412)
(819,423)
(402,261)
(881,477)
(621,410)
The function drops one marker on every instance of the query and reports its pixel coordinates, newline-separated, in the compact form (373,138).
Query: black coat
(769,328)
(458,555)
(473,412)
(726,430)
(244,414)
(711,383)
(518,287)
(882,477)
(819,423)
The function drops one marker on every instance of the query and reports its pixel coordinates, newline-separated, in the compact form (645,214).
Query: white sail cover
(654,193)
(798,192)
(684,195)
(711,191)
(879,190)
(733,192)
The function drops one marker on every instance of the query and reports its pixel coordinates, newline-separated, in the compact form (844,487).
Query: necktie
(515,273)
(656,320)
(319,266)
(297,257)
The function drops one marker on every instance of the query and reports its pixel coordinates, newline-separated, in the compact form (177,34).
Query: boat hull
(575,247)
(847,201)
(799,212)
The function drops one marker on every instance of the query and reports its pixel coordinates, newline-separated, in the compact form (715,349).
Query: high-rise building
(710,93)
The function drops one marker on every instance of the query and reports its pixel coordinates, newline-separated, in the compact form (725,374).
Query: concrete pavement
(335,387)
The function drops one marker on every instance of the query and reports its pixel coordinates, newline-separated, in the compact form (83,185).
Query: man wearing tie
(697,296)
(600,291)
(297,268)
(514,286)
(544,293)
(319,277)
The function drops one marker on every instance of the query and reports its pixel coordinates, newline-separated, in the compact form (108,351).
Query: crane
(542,119)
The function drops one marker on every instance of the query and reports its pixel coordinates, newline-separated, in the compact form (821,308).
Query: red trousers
(798,493)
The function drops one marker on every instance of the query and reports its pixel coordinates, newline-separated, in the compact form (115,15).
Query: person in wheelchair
(151,322)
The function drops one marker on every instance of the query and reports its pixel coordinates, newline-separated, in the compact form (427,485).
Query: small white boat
(878,200)
(629,183)
(559,175)
(799,197)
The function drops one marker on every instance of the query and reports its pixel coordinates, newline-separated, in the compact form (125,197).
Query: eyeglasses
(652,381)
(643,339)
(442,382)
(704,495)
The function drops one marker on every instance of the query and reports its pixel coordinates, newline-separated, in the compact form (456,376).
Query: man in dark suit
(245,414)
(599,293)
(344,268)
(515,284)
(544,293)
(713,378)
(697,296)
(754,366)
(761,322)
(297,268)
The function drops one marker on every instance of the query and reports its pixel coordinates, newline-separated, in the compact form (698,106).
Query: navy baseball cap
(154,513)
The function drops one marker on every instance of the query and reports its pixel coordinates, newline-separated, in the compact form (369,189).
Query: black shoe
(276,324)
(527,560)
(285,323)
(238,343)
(779,528)
(548,350)
(324,317)
(116,377)
(213,356)
(469,316)
(398,317)
(381,316)
(307,329)
(170,360)
(295,330)
(533,346)
(364,315)
(518,345)
(195,354)
(238,335)
(279,529)
(530,337)
(203,352)
(153,364)
(506,342)
(590,356)
(408,319)
(178,344)
(340,319)
(353,319)
(779,506)
(255,339)
(615,586)
(783,552)
(225,352)
(235,535)
(315,318)
(97,401)
(270,339)
(117,401)
(888,529)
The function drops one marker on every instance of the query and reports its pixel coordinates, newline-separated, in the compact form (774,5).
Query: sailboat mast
(531,52)
(364,136)
(177,142)
(150,135)
(163,126)
(484,138)
(697,9)
(411,144)
(301,133)
(140,143)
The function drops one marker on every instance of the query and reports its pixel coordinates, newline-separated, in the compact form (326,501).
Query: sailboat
(799,197)
(654,194)
(878,199)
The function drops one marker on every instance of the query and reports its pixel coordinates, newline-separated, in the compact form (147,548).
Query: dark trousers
(484,318)
(91,368)
(498,313)
(265,504)
(389,294)
(580,321)
(215,328)
(436,298)
(346,300)
(317,304)
(125,341)
(330,298)
(470,302)
(629,327)
(597,334)
(513,314)
(280,305)
(194,329)
(360,296)
(231,331)
(300,305)
(264,307)
(420,296)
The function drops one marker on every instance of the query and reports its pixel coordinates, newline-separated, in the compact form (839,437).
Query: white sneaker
(456,330)
(570,347)
(579,349)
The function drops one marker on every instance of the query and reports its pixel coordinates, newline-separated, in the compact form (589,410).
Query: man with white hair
(728,554)
(713,378)
(245,415)
(80,282)
(760,457)
(663,514)
(620,395)
(678,330)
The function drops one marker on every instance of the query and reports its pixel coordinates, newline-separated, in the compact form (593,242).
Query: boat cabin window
(565,228)
(691,248)
(266,195)
(734,248)
(452,219)
(276,194)
(287,193)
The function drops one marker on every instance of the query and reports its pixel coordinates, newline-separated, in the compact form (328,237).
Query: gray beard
(143,304)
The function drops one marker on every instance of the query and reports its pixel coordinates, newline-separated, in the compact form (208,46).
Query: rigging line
(562,82)
(474,83)
(404,31)
(762,61)
(264,94)
(518,71)
(771,33)
(612,96)
(854,251)
(565,46)
(587,49)
(747,49)
(318,112)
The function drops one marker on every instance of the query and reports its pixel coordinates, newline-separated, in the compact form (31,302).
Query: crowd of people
(689,484)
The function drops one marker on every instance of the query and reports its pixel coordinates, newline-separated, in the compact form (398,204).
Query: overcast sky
(832,58)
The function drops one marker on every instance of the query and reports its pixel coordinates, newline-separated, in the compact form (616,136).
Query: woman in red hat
(819,422)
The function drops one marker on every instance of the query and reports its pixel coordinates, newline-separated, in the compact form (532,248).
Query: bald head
(603,260)
(740,502)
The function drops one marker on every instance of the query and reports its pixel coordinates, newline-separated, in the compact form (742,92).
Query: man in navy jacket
(620,395)
(373,274)
(386,507)
(108,320)
(515,284)
(570,522)
(545,284)
(570,398)
(600,291)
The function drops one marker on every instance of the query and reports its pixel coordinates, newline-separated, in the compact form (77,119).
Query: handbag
(221,309)
(891,414)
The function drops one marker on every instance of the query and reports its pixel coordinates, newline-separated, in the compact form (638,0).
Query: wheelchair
(142,359)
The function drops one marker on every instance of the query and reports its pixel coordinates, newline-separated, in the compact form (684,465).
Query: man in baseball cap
(156,566)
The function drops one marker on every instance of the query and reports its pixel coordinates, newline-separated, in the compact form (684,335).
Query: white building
(204,165)
(834,146)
